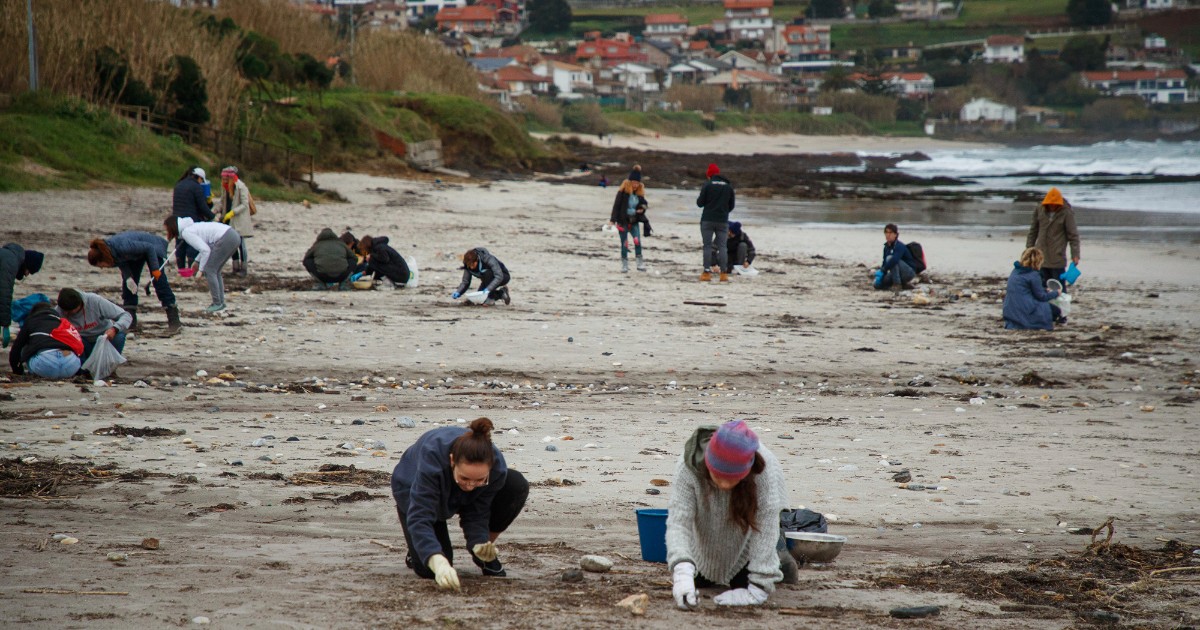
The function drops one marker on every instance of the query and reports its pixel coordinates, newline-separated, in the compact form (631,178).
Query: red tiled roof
(517,73)
(665,18)
(470,13)
(1134,75)
(749,4)
(1005,40)
(700,45)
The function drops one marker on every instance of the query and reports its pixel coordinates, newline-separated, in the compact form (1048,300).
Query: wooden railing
(249,153)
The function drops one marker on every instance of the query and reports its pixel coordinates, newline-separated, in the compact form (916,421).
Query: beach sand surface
(1024,433)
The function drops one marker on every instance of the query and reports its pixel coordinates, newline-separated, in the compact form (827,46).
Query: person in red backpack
(47,346)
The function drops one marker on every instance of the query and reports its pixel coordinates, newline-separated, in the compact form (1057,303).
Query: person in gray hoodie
(723,522)
(16,263)
(93,316)
(493,276)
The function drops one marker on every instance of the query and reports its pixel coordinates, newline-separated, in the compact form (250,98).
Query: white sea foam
(1116,158)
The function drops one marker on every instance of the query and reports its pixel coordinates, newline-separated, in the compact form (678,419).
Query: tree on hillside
(1084,53)
(836,79)
(826,9)
(881,8)
(187,94)
(1089,12)
(550,16)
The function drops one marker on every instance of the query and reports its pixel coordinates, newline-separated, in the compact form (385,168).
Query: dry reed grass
(703,98)
(410,62)
(147,32)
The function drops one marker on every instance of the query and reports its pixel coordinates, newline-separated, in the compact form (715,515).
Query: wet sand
(1094,420)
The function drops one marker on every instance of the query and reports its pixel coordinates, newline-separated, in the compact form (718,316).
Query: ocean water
(1104,176)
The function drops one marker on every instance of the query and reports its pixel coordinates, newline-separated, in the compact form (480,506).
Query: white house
(1159,4)
(572,81)
(421,9)
(746,20)
(983,110)
(666,26)
(1004,49)
(636,77)
(1156,86)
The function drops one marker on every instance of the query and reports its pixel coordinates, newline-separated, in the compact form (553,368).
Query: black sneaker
(507,298)
(490,569)
(408,560)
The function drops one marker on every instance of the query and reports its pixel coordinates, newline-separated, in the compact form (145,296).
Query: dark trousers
(506,506)
(185,255)
(714,237)
(738,256)
(1052,273)
(487,278)
(311,267)
(162,288)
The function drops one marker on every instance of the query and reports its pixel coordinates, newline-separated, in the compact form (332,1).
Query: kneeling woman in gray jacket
(723,525)
(450,471)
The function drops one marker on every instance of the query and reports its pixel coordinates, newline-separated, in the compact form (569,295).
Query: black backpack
(918,254)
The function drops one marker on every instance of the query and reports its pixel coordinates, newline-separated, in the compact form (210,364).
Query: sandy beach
(1025,434)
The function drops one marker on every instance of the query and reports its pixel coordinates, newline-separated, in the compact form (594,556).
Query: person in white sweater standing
(723,522)
(216,243)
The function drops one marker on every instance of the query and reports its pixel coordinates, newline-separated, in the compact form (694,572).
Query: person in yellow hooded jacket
(1053,228)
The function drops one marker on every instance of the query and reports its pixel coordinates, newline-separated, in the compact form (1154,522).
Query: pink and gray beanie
(730,451)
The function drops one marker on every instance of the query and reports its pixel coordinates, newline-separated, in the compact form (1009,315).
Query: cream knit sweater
(701,531)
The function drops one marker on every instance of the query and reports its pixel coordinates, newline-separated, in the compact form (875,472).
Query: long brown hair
(172,225)
(364,244)
(475,445)
(98,252)
(743,504)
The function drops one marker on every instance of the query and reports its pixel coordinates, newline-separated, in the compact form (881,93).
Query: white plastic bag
(1063,302)
(748,271)
(103,360)
(414,274)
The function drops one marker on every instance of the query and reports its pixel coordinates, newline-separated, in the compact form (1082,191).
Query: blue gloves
(7,337)
(878,276)
(455,295)
(355,277)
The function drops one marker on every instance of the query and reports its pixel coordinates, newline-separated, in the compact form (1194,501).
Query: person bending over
(330,262)
(741,248)
(94,316)
(493,276)
(47,346)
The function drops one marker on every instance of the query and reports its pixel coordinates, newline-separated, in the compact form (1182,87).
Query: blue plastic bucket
(1071,275)
(652,533)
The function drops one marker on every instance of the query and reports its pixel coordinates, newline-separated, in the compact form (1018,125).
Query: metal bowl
(810,547)
(363,284)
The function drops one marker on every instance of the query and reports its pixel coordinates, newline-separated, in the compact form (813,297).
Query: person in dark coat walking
(189,201)
(493,276)
(330,262)
(741,248)
(131,251)
(717,199)
(46,347)
(383,262)
(450,471)
(1026,303)
(16,263)
(628,212)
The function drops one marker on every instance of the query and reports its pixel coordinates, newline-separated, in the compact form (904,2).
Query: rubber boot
(624,265)
(132,310)
(641,263)
(173,323)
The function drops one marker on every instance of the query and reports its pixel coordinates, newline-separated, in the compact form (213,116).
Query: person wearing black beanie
(16,262)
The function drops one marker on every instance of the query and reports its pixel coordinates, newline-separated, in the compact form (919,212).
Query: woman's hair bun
(482,427)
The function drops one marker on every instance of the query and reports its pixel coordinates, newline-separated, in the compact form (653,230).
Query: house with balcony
(480,20)
(1004,49)
(666,27)
(418,10)
(385,15)
(1155,86)
(746,20)
(572,81)
(610,51)
(518,81)
(804,40)
(737,79)
(922,9)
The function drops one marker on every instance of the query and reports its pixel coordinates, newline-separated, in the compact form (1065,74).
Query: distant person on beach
(94,316)
(215,244)
(629,207)
(131,251)
(1052,229)
(47,346)
(493,276)
(450,471)
(723,521)
(741,248)
(16,263)
(384,264)
(330,262)
(1026,302)
(717,199)
(898,267)
(189,201)
(236,212)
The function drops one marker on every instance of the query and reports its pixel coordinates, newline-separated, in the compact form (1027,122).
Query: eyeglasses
(471,483)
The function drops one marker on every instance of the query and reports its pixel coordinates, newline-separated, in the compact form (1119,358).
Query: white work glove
(444,574)
(485,551)
(684,577)
(749,596)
